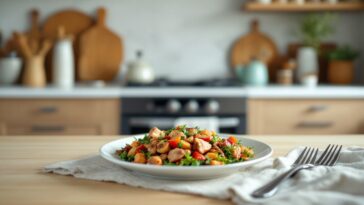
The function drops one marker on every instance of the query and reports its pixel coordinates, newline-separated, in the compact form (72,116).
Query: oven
(138,115)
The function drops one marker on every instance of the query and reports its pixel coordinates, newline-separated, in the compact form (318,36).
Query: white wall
(182,39)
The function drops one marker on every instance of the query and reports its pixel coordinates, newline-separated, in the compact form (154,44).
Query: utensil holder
(34,72)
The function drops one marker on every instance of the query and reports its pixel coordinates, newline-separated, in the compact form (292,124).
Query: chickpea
(140,158)
(132,151)
(135,144)
(215,162)
(190,139)
(156,160)
(211,155)
(162,147)
(206,132)
(191,131)
(185,144)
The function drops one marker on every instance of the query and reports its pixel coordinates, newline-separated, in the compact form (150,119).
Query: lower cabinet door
(36,129)
(305,116)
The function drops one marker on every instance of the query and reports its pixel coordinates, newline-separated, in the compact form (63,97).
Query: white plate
(262,151)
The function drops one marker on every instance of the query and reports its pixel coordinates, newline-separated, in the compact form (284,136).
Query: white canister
(307,62)
(10,68)
(63,64)
(139,71)
(309,81)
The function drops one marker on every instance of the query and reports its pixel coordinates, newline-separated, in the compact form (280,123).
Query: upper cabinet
(305,7)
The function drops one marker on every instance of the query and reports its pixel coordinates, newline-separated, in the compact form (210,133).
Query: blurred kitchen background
(111,67)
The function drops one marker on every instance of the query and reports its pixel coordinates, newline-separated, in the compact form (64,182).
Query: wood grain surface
(254,45)
(22,182)
(101,51)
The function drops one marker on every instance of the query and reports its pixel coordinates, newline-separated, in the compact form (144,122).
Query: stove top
(208,83)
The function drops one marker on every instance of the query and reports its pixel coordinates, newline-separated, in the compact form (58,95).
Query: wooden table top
(22,182)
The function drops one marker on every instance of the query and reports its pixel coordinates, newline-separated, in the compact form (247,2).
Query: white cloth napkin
(341,184)
(210,123)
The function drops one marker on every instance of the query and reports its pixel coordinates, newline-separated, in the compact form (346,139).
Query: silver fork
(306,160)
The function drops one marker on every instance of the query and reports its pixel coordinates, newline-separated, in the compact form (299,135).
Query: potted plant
(313,30)
(341,65)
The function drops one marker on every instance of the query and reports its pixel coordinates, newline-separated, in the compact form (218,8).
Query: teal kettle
(253,74)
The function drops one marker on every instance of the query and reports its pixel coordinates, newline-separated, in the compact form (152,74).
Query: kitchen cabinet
(305,116)
(59,116)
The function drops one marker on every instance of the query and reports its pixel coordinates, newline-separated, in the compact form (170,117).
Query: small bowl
(9,70)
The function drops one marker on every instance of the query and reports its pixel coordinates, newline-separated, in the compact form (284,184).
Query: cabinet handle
(48,109)
(48,128)
(317,108)
(323,124)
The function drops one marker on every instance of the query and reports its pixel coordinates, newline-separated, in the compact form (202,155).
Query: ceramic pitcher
(254,74)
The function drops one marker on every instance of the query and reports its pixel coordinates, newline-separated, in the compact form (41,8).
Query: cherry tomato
(173,143)
(233,140)
(198,156)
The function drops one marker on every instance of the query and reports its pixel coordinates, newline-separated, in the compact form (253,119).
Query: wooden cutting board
(253,45)
(74,23)
(100,52)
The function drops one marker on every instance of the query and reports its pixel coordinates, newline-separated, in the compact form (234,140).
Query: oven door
(142,124)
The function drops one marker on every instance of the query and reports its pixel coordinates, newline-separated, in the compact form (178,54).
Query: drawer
(305,116)
(105,113)
(17,129)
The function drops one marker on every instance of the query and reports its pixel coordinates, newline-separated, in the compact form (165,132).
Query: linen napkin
(341,184)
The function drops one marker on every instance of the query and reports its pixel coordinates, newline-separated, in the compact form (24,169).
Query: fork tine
(336,157)
(312,161)
(300,156)
(307,156)
(329,155)
(323,155)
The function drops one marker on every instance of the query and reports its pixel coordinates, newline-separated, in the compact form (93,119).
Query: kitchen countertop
(114,91)
(22,182)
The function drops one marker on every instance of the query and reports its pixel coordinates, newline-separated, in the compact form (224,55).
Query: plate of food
(186,153)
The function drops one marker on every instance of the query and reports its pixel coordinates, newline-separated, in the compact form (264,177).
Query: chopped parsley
(144,140)
(215,139)
(166,162)
(124,156)
(189,161)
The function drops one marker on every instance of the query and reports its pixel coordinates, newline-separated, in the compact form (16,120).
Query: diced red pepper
(140,148)
(127,148)
(198,156)
(206,138)
(233,140)
(173,143)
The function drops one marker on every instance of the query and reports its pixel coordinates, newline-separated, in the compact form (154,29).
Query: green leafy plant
(344,53)
(315,28)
